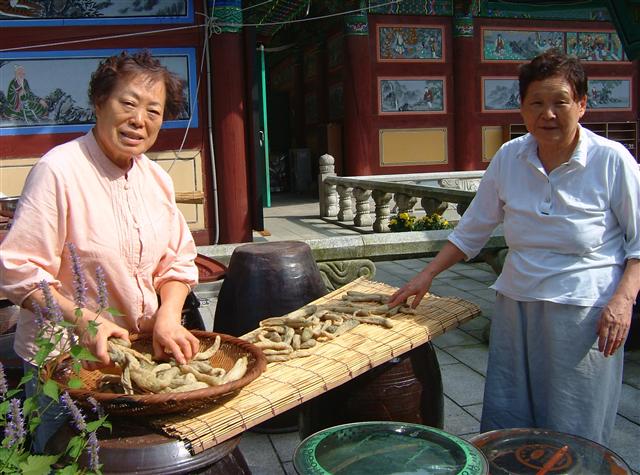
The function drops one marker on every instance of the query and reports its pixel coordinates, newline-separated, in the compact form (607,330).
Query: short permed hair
(553,63)
(126,65)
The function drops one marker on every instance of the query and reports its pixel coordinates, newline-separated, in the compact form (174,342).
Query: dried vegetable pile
(298,333)
(142,375)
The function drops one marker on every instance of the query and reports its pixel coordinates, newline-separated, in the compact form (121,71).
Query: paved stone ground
(462,352)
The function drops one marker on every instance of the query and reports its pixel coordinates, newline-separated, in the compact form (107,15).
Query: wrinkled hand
(614,324)
(97,344)
(417,286)
(169,336)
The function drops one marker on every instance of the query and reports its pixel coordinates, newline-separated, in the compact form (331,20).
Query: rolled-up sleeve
(30,252)
(178,262)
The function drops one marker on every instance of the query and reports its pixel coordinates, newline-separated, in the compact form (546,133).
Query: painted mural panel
(411,95)
(609,94)
(595,45)
(86,12)
(500,94)
(518,45)
(410,43)
(46,92)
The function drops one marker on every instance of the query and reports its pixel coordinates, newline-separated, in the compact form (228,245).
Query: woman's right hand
(417,286)
(97,344)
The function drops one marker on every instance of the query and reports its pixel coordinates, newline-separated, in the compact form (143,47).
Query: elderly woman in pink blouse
(117,207)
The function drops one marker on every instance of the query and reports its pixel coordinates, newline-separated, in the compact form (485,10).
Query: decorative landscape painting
(46,92)
(86,12)
(518,45)
(609,94)
(410,43)
(411,96)
(522,45)
(500,94)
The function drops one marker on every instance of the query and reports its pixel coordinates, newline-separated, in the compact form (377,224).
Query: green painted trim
(356,25)
(229,17)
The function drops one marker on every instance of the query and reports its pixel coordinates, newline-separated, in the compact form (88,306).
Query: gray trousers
(545,371)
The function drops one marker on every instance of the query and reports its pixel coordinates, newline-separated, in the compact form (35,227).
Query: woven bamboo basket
(231,348)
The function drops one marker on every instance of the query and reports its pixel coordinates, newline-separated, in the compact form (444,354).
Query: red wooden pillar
(468,144)
(357,97)
(229,134)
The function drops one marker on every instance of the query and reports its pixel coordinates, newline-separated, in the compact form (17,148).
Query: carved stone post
(363,211)
(405,202)
(346,211)
(381,198)
(328,194)
(433,205)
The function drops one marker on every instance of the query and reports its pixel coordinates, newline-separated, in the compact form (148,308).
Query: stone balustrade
(338,194)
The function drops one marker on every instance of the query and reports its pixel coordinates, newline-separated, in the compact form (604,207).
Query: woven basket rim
(181,399)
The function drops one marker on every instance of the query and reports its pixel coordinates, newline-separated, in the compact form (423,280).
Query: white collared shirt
(568,232)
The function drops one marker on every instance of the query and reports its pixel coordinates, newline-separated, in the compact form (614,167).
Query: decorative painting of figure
(614,94)
(22,104)
(500,94)
(595,46)
(46,91)
(518,45)
(70,12)
(411,96)
(410,43)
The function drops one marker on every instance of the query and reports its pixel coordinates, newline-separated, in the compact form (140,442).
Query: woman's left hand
(169,336)
(614,324)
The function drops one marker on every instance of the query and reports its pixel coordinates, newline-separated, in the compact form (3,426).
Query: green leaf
(92,328)
(34,422)
(75,446)
(75,383)
(29,375)
(97,424)
(38,464)
(10,459)
(76,366)
(65,324)
(12,392)
(50,388)
(78,312)
(115,312)
(81,353)
(30,404)
(4,407)
(69,470)
(44,350)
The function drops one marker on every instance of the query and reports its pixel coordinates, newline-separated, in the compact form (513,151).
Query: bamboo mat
(287,384)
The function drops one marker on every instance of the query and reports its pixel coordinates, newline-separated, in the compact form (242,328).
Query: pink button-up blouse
(126,222)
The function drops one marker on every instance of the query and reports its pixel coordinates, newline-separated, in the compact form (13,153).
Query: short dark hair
(553,63)
(124,65)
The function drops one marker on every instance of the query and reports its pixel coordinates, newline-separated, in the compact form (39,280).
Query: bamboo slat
(190,197)
(287,384)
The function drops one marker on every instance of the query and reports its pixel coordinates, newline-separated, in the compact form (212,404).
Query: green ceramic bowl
(385,448)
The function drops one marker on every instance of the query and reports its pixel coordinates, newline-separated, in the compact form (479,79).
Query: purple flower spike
(103,296)
(14,432)
(76,413)
(97,408)
(37,310)
(3,382)
(79,281)
(53,309)
(92,449)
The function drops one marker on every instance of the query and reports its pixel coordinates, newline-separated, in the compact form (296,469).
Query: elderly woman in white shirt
(568,200)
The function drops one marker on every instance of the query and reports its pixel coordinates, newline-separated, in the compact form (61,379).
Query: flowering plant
(21,416)
(406,222)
